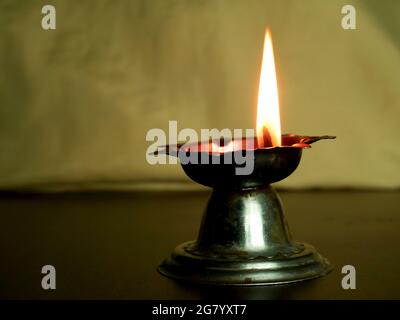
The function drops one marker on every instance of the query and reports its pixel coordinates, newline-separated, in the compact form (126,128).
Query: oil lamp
(244,238)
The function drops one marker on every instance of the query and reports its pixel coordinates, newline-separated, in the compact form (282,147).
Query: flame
(268,119)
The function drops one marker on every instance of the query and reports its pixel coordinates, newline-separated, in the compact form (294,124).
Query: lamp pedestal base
(244,240)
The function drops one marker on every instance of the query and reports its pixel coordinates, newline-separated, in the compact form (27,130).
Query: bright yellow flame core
(268,119)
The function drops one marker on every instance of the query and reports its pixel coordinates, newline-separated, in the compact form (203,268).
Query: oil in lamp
(244,237)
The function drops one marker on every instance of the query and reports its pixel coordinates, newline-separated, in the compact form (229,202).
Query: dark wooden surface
(108,245)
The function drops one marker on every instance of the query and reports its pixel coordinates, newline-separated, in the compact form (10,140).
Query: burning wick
(268,118)
(266,139)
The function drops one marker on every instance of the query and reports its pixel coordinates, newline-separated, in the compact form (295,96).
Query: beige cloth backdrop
(76,103)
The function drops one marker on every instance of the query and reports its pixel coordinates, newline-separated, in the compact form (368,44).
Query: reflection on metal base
(244,240)
(186,266)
